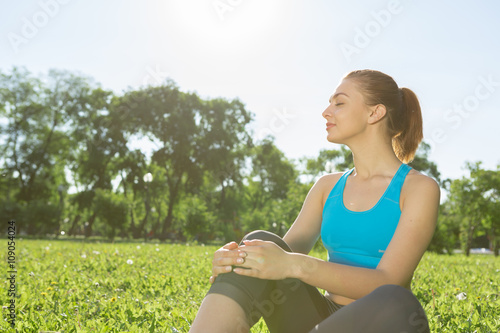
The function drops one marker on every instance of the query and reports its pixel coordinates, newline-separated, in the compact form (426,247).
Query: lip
(329,125)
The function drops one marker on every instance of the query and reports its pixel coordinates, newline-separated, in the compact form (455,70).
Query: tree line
(70,165)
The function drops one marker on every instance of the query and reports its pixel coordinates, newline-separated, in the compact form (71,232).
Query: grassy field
(69,286)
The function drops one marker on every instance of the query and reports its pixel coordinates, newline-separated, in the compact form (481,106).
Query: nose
(327,113)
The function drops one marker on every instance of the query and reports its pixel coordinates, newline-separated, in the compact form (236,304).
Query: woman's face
(347,113)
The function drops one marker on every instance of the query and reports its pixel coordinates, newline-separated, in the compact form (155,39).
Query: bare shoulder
(326,183)
(329,180)
(420,187)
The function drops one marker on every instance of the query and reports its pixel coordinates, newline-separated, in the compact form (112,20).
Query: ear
(377,113)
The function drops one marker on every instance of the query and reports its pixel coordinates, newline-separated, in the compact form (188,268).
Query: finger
(252,262)
(251,248)
(227,261)
(230,246)
(255,242)
(226,253)
(221,270)
(246,272)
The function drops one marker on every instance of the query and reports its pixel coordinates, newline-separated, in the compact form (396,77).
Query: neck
(374,157)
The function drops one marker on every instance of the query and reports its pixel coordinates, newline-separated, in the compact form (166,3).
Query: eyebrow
(336,95)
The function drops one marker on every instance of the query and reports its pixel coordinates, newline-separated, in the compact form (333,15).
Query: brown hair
(404,117)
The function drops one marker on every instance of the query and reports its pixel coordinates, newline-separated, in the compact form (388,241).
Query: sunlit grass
(70,286)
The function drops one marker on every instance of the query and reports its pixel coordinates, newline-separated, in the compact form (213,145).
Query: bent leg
(219,314)
(287,305)
(250,293)
(389,308)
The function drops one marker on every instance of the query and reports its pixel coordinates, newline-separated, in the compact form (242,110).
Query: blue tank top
(361,238)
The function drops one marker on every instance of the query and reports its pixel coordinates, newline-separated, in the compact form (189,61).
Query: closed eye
(339,104)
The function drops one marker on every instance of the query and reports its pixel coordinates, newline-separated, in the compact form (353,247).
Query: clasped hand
(256,258)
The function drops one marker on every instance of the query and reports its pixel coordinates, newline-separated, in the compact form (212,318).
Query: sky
(282,58)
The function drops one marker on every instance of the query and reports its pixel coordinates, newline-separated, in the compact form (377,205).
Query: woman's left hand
(264,260)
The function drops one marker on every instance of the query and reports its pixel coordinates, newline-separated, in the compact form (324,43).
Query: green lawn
(70,286)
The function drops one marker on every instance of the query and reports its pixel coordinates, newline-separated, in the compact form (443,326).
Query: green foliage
(195,219)
(71,286)
(112,210)
(447,235)
(421,162)
(475,202)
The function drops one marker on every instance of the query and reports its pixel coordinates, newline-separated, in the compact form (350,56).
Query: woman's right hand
(225,258)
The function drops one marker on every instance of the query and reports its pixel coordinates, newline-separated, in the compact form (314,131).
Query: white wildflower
(461,296)
(130,262)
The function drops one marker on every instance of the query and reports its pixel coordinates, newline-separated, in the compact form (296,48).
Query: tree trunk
(72,231)
(167,222)
(470,235)
(494,243)
(88,229)
(139,231)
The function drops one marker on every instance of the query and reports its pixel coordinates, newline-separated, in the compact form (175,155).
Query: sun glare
(226,24)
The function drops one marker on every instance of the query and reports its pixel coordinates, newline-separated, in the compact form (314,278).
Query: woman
(375,220)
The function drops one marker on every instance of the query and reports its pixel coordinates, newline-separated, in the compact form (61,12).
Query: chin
(331,139)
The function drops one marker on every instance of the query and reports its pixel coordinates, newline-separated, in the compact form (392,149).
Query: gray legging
(291,305)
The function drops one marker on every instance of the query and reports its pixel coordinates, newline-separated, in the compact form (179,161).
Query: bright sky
(282,58)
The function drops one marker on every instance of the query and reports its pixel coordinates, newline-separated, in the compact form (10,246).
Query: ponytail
(404,117)
(406,142)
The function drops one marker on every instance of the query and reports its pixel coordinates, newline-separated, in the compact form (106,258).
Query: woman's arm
(300,237)
(410,240)
(413,235)
(306,229)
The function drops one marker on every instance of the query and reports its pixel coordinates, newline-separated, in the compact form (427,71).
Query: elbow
(391,279)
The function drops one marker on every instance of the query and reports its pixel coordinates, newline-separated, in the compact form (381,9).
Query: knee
(262,235)
(395,293)
(267,236)
(402,306)
(394,290)
(397,297)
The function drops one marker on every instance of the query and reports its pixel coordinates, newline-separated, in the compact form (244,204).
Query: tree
(270,176)
(328,160)
(488,184)
(194,136)
(421,162)
(469,205)
(98,131)
(132,168)
(112,211)
(447,234)
(36,141)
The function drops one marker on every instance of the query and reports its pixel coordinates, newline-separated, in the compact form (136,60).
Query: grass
(68,286)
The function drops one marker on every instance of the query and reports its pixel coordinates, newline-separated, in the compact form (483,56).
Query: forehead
(346,88)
